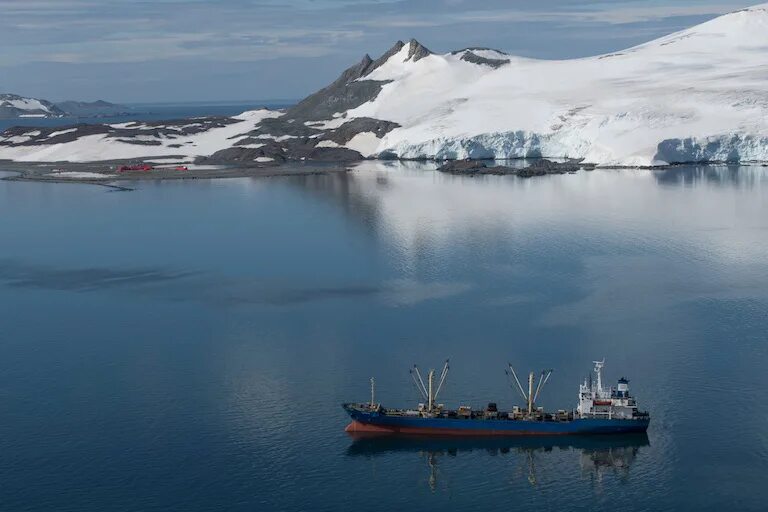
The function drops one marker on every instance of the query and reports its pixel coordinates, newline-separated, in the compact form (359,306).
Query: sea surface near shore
(187,346)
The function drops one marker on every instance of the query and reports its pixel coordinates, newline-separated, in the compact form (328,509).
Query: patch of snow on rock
(365,143)
(60,132)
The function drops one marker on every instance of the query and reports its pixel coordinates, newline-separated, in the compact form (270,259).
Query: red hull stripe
(357,427)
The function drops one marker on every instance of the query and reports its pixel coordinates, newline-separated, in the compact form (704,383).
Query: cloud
(613,14)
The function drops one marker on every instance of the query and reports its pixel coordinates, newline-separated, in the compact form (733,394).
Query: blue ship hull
(380,422)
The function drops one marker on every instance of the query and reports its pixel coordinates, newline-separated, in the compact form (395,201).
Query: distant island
(13,106)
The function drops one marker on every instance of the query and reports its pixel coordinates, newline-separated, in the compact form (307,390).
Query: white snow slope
(697,95)
(91,148)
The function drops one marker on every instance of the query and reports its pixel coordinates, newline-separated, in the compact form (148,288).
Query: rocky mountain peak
(417,51)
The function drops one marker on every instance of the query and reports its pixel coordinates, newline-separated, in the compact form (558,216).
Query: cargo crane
(531,396)
(428,392)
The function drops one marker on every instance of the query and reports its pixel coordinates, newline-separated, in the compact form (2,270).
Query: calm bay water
(186,346)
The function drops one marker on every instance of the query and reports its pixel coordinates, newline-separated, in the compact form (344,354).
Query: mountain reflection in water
(733,175)
(597,455)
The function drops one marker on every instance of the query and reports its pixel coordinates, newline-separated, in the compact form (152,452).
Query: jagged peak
(417,51)
(373,64)
(396,47)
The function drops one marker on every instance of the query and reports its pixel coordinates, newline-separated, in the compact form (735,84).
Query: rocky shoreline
(101,173)
(539,167)
(107,173)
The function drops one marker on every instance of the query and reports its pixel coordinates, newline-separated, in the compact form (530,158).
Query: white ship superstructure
(595,401)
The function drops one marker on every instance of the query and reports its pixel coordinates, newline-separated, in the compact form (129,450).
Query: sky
(134,51)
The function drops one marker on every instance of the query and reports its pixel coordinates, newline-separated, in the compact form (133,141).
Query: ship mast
(373,393)
(530,393)
(531,396)
(598,370)
(428,392)
(431,379)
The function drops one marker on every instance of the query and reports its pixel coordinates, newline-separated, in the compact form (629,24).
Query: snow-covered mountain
(13,106)
(697,95)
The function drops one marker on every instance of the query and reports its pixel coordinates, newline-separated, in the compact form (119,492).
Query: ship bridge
(597,401)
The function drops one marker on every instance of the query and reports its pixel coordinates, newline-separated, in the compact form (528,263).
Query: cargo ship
(600,410)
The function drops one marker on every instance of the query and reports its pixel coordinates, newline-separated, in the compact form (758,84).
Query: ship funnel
(622,389)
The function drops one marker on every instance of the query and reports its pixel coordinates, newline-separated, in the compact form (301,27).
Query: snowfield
(93,148)
(697,95)
(700,95)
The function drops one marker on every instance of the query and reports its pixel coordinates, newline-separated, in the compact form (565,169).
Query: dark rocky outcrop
(483,61)
(537,168)
(299,149)
(280,126)
(243,155)
(417,51)
(348,130)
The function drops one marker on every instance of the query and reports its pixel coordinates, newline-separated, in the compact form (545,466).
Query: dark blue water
(186,346)
(152,112)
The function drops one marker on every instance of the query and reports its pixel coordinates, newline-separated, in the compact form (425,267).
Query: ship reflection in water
(598,456)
